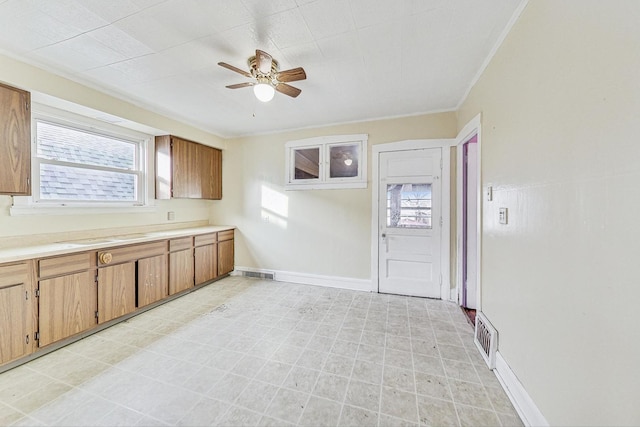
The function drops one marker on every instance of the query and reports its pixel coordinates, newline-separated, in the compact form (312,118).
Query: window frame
(324,180)
(144,173)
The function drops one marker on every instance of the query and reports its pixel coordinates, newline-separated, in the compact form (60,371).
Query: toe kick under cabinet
(49,302)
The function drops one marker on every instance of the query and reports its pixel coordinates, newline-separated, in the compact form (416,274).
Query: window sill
(32,209)
(326,185)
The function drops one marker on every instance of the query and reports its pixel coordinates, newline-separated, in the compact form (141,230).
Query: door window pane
(343,161)
(409,205)
(307,163)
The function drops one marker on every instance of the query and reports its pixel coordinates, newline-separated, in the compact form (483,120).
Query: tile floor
(249,352)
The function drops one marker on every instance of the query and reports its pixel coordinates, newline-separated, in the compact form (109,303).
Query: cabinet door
(186,182)
(116,291)
(67,306)
(152,279)
(206,263)
(15,141)
(225,257)
(16,313)
(181,273)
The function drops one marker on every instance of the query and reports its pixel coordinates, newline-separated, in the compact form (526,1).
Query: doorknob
(384,237)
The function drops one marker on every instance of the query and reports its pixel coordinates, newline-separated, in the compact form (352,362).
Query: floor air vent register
(258,274)
(486,339)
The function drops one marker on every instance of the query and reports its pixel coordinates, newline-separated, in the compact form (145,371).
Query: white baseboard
(523,403)
(311,279)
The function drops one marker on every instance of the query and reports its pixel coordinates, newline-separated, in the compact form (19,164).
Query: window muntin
(78,164)
(409,205)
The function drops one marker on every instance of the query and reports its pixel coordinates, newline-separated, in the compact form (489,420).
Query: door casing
(445,238)
(471,128)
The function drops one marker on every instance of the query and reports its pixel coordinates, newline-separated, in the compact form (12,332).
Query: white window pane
(69,183)
(409,205)
(307,163)
(63,144)
(344,161)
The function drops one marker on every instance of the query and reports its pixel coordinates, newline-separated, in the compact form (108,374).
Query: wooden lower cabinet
(152,280)
(225,257)
(206,263)
(46,300)
(116,291)
(17,312)
(67,306)
(181,271)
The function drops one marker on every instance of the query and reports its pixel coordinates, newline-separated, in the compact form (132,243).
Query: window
(327,162)
(409,205)
(78,162)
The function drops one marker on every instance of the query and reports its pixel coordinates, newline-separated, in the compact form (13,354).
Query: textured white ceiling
(364,59)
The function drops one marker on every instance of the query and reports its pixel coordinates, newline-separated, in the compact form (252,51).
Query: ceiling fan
(264,70)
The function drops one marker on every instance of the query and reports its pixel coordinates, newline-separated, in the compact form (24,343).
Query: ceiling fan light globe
(264,92)
(348,162)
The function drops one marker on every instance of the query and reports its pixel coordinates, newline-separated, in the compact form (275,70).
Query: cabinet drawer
(225,235)
(206,239)
(180,244)
(131,253)
(66,264)
(11,275)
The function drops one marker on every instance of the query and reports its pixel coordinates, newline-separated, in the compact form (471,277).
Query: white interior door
(409,227)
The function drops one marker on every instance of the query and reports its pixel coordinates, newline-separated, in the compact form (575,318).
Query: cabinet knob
(105,257)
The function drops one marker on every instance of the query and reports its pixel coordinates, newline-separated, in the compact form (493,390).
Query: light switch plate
(502,215)
(171,216)
(489,193)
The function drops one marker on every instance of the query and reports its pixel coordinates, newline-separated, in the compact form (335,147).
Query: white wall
(323,232)
(16,230)
(560,104)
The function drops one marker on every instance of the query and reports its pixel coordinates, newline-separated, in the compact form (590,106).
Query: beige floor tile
(356,417)
(301,379)
(399,404)
(9,415)
(432,386)
(331,386)
(320,412)
(288,405)
(475,417)
(435,412)
(237,416)
(363,395)
(205,412)
(401,379)
(257,396)
(40,397)
(470,394)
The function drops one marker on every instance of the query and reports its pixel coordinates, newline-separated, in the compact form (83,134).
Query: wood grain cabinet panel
(187,169)
(225,257)
(152,280)
(67,306)
(17,312)
(206,263)
(181,271)
(116,291)
(15,141)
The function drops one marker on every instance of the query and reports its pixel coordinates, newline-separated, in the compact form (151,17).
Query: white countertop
(67,247)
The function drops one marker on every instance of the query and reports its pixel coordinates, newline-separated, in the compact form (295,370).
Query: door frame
(445,230)
(467,132)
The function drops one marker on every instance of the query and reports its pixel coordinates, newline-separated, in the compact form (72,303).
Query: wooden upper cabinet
(187,170)
(15,141)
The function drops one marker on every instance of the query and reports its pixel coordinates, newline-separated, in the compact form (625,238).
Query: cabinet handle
(105,257)
(27,339)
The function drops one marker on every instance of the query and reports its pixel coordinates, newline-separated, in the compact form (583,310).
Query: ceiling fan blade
(291,75)
(288,90)
(263,61)
(236,69)
(239,85)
